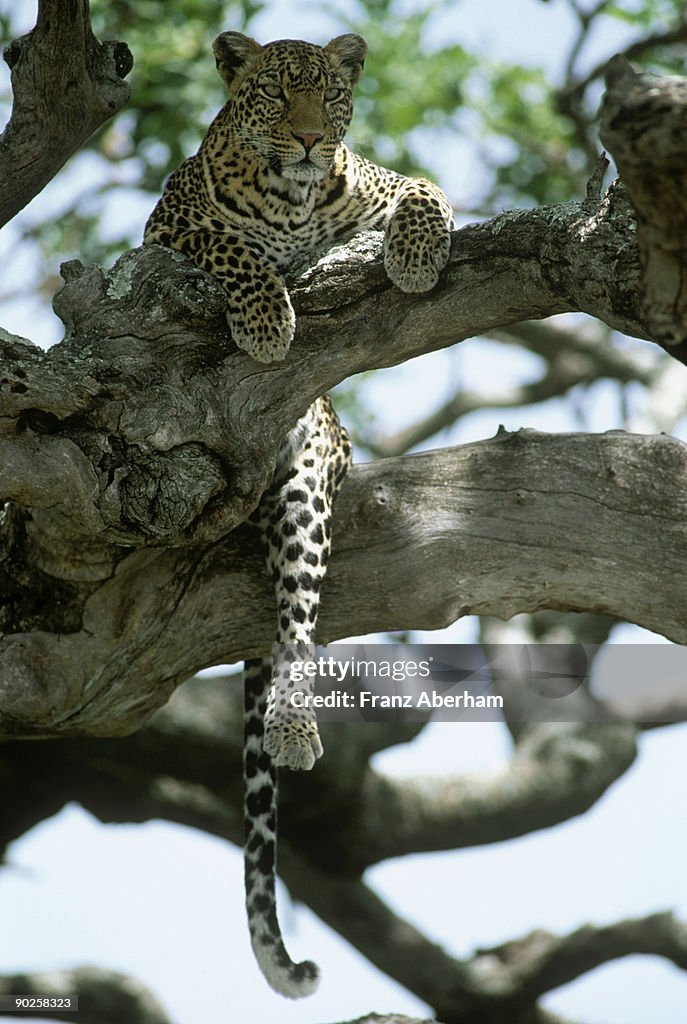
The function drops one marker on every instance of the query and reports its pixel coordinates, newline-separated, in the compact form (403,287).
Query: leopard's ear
(232,50)
(349,52)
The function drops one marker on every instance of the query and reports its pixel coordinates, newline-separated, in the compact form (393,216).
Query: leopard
(274,183)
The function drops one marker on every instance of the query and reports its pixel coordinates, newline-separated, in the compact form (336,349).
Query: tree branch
(643,124)
(540,962)
(65,84)
(389,1018)
(542,786)
(155,324)
(105,997)
(185,767)
(586,347)
(574,88)
(497,527)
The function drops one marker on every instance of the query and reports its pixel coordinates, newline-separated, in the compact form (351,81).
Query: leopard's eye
(272,90)
(334,93)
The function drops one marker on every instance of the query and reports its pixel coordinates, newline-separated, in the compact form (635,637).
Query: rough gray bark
(644,125)
(65,85)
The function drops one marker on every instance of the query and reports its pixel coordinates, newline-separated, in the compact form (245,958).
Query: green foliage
(175,88)
(646,14)
(535,157)
(396,95)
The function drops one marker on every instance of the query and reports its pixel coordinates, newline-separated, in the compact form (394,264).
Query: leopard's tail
(260,850)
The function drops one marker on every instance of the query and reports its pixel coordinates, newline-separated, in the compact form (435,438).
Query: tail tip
(294,981)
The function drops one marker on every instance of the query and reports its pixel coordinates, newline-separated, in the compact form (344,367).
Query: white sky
(166,904)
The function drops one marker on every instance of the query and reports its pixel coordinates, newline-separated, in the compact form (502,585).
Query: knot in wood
(377,506)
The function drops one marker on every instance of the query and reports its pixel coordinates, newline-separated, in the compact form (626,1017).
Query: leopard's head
(290,102)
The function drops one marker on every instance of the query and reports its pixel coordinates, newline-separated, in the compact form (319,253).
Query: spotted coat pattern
(271,183)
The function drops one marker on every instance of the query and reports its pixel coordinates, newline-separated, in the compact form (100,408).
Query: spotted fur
(271,183)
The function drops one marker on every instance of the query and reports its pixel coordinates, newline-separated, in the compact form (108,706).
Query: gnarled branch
(644,125)
(154,326)
(521,522)
(65,84)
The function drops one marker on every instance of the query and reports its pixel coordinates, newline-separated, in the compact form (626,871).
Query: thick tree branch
(494,985)
(65,84)
(568,752)
(104,996)
(542,786)
(155,325)
(644,125)
(521,522)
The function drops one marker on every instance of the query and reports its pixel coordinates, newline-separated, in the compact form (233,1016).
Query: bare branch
(389,1018)
(541,961)
(65,84)
(581,346)
(542,786)
(498,984)
(104,996)
(556,381)
(643,124)
(668,37)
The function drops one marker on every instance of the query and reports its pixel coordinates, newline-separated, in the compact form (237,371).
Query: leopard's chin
(304,171)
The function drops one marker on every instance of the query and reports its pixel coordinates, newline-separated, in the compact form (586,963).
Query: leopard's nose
(308,139)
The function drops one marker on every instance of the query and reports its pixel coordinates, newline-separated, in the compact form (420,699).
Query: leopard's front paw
(413,255)
(293,744)
(264,327)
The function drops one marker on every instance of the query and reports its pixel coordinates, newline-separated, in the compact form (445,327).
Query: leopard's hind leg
(294,518)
